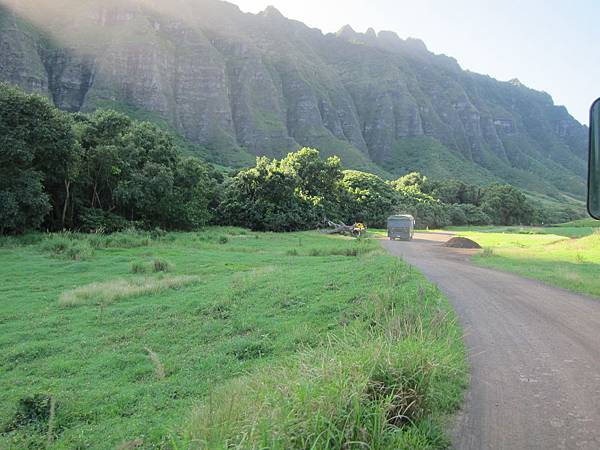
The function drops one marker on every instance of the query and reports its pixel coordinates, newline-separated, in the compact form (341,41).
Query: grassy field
(567,255)
(571,229)
(221,339)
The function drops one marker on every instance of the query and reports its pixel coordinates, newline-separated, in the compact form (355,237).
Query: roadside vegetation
(222,338)
(566,255)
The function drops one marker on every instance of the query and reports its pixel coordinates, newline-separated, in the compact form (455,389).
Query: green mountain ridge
(238,85)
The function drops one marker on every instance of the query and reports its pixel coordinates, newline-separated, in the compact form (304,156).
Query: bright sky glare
(548,45)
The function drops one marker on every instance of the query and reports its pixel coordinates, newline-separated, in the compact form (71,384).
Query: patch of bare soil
(461,242)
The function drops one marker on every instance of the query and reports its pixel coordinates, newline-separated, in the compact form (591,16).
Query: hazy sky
(551,45)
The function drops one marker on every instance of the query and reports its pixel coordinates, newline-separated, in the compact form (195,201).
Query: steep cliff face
(242,85)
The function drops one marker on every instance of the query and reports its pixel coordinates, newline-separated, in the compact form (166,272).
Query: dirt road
(534,353)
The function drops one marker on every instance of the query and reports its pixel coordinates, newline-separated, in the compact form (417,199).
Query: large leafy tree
(194,191)
(371,200)
(100,137)
(506,205)
(37,160)
(455,191)
(267,197)
(318,181)
(468,214)
(427,210)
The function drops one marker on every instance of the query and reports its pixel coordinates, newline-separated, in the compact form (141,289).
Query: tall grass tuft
(138,267)
(488,252)
(51,420)
(125,239)
(356,248)
(159,369)
(162,265)
(67,245)
(119,289)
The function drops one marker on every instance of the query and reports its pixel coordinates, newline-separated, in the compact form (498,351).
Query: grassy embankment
(566,255)
(222,338)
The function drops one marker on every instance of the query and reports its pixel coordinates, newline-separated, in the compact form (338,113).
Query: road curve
(534,352)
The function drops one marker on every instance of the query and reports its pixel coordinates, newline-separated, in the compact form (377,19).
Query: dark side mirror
(594,162)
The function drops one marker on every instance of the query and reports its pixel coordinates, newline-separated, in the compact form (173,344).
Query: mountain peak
(346,32)
(272,13)
(516,82)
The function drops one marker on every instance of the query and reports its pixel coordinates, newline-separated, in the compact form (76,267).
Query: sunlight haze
(547,45)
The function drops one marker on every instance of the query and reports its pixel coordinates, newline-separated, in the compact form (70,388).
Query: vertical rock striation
(242,85)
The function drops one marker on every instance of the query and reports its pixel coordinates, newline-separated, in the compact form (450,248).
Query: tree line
(104,171)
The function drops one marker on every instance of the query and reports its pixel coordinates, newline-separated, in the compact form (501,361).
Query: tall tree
(506,205)
(36,155)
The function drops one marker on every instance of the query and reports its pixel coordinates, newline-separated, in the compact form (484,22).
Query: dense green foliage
(134,170)
(291,194)
(36,145)
(100,171)
(128,334)
(105,172)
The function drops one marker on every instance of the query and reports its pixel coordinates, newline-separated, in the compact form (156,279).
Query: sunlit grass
(489,239)
(111,291)
(571,229)
(572,263)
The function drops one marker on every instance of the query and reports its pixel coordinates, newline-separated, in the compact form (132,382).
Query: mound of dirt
(461,242)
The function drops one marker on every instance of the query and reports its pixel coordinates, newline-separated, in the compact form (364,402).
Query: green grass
(565,230)
(246,340)
(581,223)
(512,240)
(561,259)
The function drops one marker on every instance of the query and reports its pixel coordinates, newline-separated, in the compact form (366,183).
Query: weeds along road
(534,352)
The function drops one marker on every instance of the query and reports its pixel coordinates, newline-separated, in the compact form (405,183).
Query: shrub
(138,267)
(487,252)
(125,239)
(57,244)
(157,233)
(161,265)
(80,250)
(251,349)
(33,411)
(68,246)
(95,220)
